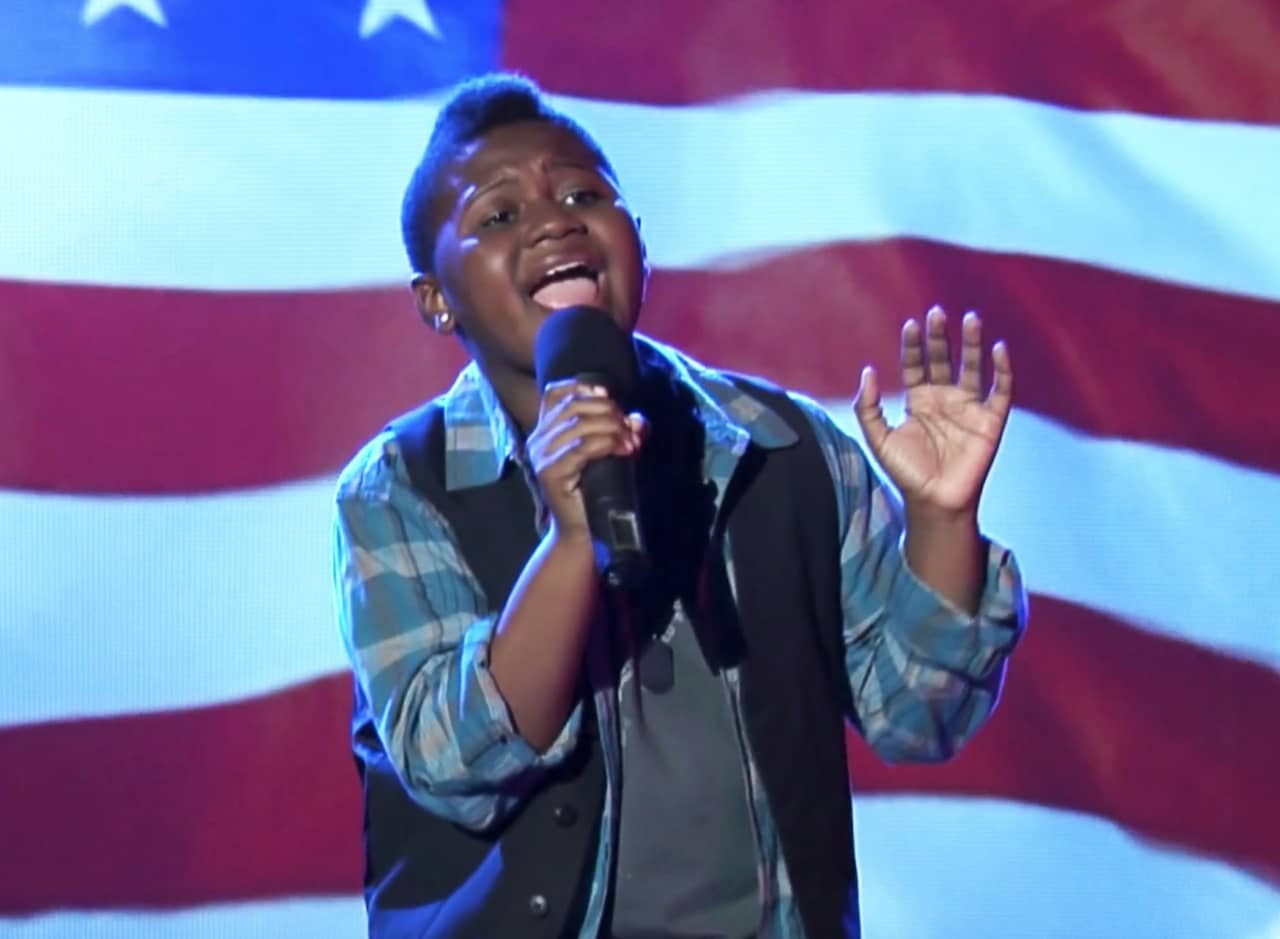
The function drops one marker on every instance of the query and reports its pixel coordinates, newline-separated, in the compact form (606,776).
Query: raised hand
(940,455)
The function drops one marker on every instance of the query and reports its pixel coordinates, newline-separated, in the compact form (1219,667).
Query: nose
(553,220)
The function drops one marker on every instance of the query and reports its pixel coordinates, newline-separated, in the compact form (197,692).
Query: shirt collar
(727,409)
(480,437)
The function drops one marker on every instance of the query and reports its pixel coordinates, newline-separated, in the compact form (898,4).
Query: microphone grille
(582,340)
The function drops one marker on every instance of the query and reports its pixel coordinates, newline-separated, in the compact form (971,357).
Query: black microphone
(585,344)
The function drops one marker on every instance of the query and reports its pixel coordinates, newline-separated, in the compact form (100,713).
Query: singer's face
(529,222)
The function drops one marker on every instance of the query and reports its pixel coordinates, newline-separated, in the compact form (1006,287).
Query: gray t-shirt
(687,851)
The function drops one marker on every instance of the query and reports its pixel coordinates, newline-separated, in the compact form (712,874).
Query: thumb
(869,411)
(638,429)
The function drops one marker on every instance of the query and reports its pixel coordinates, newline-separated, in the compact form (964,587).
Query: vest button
(538,905)
(565,815)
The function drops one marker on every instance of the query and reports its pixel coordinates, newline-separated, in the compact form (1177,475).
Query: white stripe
(145,604)
(288,918)
(123,605)
(927,867)
(1169,540)
(242,193)
(1003,870)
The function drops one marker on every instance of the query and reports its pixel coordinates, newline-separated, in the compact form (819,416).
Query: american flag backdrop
(203,313)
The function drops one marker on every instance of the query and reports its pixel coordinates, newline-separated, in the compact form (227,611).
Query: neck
(520,397)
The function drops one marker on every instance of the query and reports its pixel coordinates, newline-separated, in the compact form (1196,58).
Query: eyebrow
(503,180)
(562,163)
(507,178)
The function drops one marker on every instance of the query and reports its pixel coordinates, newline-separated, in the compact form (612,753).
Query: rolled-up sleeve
(924,675)
(418,631)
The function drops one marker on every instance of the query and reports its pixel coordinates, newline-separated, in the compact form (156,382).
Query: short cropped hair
(476,107)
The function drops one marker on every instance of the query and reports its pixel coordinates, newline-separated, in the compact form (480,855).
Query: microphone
(585,344)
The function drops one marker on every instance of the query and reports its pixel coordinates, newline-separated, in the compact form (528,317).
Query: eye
(581,197)
(497,218)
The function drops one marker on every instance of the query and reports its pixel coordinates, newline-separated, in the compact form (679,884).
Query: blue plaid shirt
(924,675)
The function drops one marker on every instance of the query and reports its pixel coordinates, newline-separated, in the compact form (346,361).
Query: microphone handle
(613,512)
(613,518)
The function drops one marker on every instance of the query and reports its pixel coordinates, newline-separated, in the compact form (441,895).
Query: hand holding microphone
(577,424)
(583,446)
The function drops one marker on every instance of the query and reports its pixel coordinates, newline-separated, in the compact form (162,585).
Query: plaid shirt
(924,675)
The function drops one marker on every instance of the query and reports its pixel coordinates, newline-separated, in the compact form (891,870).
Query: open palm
(940,455)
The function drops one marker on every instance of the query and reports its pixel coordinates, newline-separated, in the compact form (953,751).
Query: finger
(564,465)
(937,347)
(912,355)
(868,410)
(580,402)
(971,354)
(1001,397)
(638,425)
(557,392)
(589,429)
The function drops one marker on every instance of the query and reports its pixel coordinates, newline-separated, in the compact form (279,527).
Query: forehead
(512,148)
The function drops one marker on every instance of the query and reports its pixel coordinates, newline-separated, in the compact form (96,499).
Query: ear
(429,299)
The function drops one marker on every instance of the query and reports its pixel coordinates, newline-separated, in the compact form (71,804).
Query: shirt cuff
(500,750)
(937,631)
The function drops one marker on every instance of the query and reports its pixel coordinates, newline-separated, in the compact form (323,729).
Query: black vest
(427,878)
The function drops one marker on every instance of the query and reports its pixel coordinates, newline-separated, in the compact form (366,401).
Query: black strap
(786,553)
(811,494)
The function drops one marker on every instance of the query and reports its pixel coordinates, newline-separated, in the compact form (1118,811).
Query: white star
(95,10)
(378,13)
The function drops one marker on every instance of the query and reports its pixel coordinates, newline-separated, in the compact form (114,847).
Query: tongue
(574,291)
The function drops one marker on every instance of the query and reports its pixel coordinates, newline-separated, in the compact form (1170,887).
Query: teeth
(562,268)
(579,268)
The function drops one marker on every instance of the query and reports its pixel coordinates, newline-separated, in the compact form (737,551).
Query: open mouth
(571,284)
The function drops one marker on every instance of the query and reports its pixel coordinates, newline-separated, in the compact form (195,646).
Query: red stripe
(259,798)
(1111,354)
(131,391)
(250,800)
(1172,740)
(1184,60)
